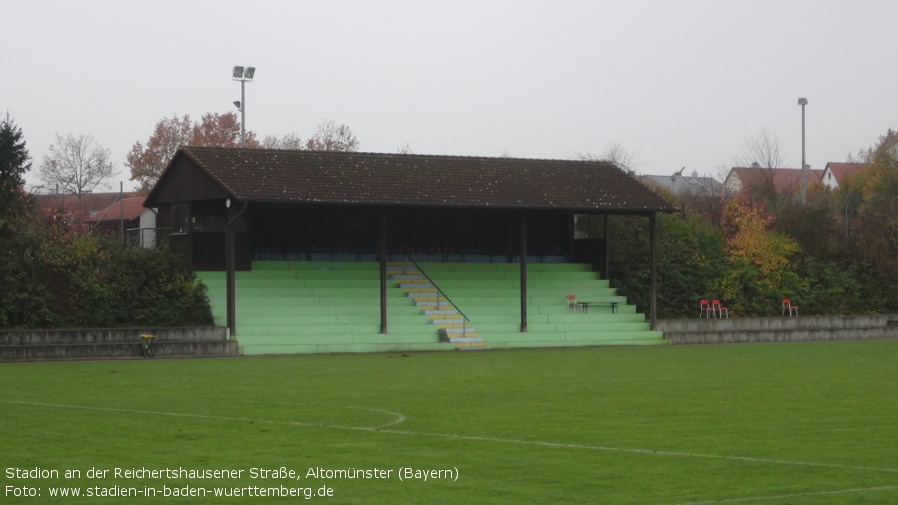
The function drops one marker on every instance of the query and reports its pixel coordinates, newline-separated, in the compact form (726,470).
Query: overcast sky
(676,83)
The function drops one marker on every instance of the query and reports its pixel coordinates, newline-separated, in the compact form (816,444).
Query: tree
(877,231)
(332,137)
(220,130)
(766,184)
(14,162)
(764,150)
(76,165)
(614,153)
(288,141)
(147,162)
(760,262)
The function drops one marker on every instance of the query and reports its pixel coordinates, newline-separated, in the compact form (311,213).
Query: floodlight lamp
(238,72)
(802,101)
(237,103)
(249,72)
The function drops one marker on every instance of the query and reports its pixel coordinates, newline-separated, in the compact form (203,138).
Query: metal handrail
(440,292)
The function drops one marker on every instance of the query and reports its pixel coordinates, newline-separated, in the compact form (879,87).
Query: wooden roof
(349,178)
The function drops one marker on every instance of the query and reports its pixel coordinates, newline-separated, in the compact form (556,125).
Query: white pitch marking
(650,452)
(499,440)
(399,417)
(793,495)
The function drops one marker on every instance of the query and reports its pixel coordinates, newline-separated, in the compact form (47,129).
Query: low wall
(113,343)
(779,329)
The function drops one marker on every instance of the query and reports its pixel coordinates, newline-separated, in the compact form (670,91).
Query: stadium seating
(323,306)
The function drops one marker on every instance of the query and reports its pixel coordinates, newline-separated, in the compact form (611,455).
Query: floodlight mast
(244,75)
(804,167)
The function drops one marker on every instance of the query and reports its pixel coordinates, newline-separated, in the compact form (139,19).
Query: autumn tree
(76,165)
(761,268)
(147,162)
(332,137)
(220,130)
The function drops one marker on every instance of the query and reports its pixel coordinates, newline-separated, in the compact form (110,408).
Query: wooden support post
(382,243)
(607,266)
(523,273)
(653,251)
(230,267)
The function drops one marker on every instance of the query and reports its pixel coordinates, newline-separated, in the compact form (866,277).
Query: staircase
(451,325)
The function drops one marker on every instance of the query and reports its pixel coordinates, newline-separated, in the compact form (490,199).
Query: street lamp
(804,167)
(243,75)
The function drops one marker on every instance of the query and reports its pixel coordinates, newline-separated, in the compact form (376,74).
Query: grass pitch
(762,424)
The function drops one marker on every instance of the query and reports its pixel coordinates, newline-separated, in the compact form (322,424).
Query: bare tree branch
(76,165)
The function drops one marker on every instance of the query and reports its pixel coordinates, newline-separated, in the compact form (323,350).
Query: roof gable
(288,176)
(840,172)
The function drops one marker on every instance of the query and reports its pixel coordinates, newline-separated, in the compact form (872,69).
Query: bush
(60,280)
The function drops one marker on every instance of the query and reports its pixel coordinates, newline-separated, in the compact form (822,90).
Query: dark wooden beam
(523,273)
(653,261)
(382,252)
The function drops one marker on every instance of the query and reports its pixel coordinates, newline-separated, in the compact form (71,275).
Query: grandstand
(362,252)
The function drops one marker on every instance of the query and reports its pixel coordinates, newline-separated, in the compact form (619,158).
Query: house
(89,205)
(835,174)
(687,185)
(780,181)
(129,218)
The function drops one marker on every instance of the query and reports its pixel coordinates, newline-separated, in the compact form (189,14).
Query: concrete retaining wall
(113,343)
(779,329)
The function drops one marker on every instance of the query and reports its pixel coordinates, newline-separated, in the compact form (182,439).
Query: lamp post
(243,75)
(804,167)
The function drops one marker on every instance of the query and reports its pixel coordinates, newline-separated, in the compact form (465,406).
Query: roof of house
(91,203)
(687,184)
(300,176)
(130,208)
(843,170)
(784,180)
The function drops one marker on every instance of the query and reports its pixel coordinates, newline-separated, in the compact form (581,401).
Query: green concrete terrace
(287,307)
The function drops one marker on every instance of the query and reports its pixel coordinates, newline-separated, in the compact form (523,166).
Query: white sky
(678,83)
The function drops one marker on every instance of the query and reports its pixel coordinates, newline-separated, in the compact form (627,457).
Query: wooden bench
(586,305)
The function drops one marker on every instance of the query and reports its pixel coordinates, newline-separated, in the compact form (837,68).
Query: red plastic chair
(719,309)
(788,307)
(572,302)
(705,309)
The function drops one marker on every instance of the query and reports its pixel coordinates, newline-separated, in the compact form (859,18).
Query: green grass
(761,424)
